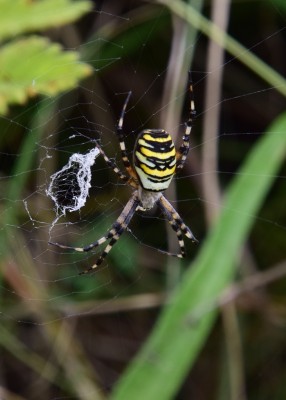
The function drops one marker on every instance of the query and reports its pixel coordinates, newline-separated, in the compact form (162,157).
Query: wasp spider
(155,161)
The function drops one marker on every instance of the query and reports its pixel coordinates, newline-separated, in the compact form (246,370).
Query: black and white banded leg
(113,234)
(183,151)
(130,180)
(120,136)
(112,164)
(176,223)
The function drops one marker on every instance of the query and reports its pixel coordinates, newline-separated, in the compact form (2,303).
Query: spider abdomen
(155,159)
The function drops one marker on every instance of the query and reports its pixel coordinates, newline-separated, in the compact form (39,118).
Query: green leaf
(35,66)
(21,16)
(161,366)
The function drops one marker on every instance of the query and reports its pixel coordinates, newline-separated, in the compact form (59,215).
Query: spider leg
(183,151)
(179,234)
(176,229)
(91,246)
(112,164)
(120,136)
(115,232)
(176,223)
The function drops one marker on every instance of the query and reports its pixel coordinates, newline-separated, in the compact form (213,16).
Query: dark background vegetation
(65,336)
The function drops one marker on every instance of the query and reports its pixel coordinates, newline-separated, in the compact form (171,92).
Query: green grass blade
(161,366)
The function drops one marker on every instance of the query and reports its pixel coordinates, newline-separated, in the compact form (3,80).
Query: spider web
(69,195)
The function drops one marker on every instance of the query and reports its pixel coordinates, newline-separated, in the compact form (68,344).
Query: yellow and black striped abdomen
(155,159)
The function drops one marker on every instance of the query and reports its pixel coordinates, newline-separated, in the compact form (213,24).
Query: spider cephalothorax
(155,161)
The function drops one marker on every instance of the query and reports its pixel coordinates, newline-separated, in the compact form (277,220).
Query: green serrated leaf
(21,16)
(35,66)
